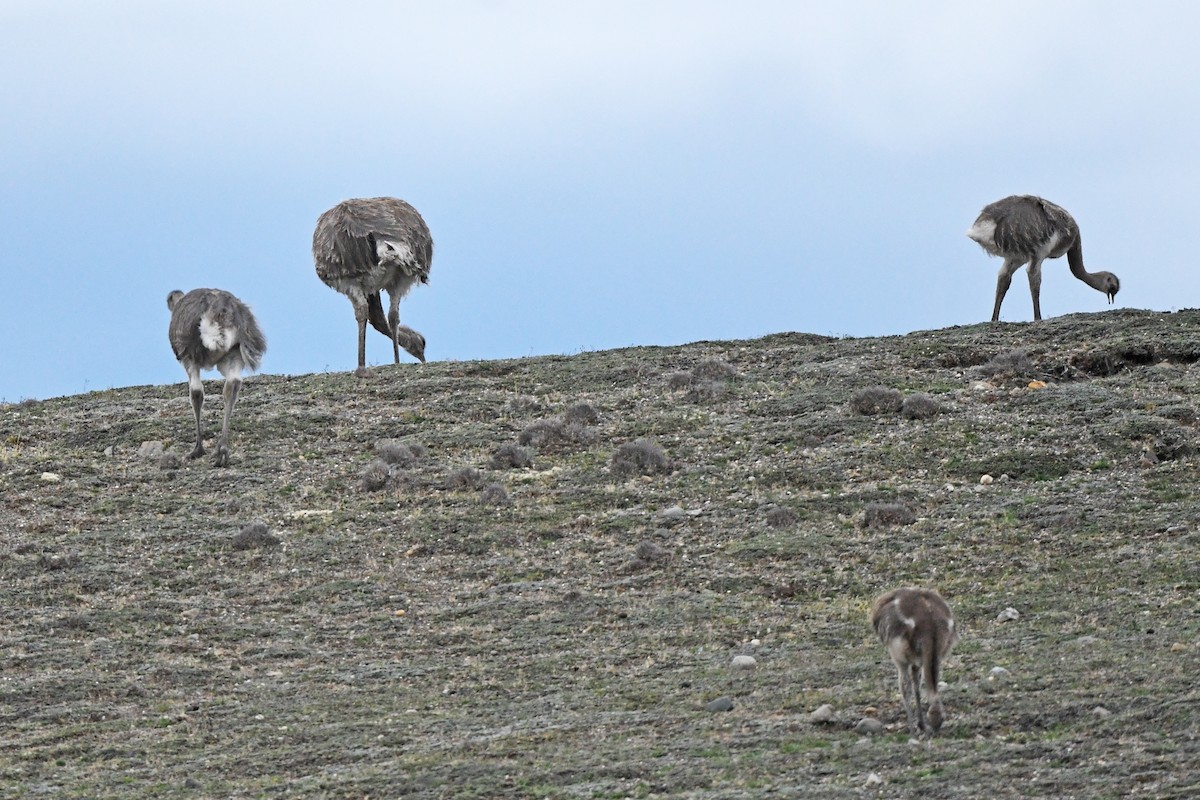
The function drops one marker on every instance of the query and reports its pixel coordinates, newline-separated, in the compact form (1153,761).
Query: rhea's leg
(233,382)
(1003,281)
(196,388)
(914,673)
(936,711)
(394,323)
(906,688)
(359,301)
(1035,287)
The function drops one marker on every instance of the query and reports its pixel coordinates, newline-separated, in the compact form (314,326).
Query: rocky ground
(534,578)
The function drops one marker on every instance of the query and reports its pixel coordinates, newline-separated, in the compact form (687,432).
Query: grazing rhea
(363,247)
(211,328)
(1024,229)
(917,628)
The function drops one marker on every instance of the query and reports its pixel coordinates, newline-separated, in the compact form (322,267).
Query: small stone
(720,704)
(108,451)
(1179,647)
(1008,615)
(1004,477)
(51,477)
(998,673)
(755,643)
(152,449)
(673,513)
(1101,712)
(869,726)
(1037,384)
(744,662)
(822,714)
(985,480)
(1086,641)
(873,779)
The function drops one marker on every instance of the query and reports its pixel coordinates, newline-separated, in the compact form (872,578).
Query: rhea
(917,628)
(212,328)
(1024,229)
(366,246)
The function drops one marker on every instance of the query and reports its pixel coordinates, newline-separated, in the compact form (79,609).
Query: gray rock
(998,673)
(869,726)
(1008,615)
(822,714)
(724,703)
(152,449)
(743,662)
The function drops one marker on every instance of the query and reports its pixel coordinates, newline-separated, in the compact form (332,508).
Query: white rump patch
(984,232)
(214,337)
(390,252)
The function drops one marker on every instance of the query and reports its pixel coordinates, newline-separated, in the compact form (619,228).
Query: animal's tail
(376,316)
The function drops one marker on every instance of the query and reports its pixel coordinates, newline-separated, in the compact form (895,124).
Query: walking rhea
(212,328)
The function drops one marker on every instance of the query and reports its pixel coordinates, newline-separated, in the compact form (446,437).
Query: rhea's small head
(173,298)
(1111,286)
(412,342)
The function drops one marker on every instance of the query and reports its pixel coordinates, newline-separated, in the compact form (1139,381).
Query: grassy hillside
(559,634)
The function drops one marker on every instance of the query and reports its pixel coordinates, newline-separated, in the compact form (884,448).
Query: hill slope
(433,638)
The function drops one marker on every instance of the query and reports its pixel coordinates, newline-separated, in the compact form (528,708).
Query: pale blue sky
(595,174)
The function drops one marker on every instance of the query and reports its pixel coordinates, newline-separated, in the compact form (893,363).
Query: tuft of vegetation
(680,380)
(393,451)
(920,406)
(1009,364)
(170,461)
(254,536)
(877,400)
(886,515)
(639,457)
(511,456)
(541,433)
(465,478)
(714,369)
(705,391)
(581,414)
(494,494)
(781,517)
(375,475)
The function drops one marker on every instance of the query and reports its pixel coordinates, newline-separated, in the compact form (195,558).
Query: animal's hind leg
(914,673)
(359,301)
(196,389)
(1003,281)
(233,382)
(1035,287)
(394,324)
(906,696)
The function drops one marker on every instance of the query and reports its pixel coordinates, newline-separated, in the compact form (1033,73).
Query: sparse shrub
(393,451)
(170,461)
(920,406)
(525,404)
(680,380)
(880,515)
(651,552)
(877,400)
(465,478)
(648,554)
(781,517)
(714,369)
(1014,363)
(541,433)
(493,494)
(639,457)
(581,414)
(511,456)
(706,391)
(254,535)
(579,433)
(375,475)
